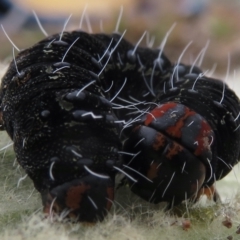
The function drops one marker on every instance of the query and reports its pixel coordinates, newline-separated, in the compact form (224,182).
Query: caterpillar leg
(87,199)
(210,192)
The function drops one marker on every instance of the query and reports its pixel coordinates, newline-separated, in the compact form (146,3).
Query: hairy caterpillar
(82,107)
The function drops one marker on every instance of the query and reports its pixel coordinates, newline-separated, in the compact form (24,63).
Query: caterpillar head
(173,146)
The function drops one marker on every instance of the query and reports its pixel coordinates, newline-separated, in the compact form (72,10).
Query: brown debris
(227,222)
(186,224)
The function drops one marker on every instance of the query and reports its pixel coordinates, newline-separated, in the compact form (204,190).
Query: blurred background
(199,21)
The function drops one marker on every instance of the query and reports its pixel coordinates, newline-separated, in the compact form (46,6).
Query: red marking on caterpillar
(158,112)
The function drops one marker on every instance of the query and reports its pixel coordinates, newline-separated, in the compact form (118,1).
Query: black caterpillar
(82,107)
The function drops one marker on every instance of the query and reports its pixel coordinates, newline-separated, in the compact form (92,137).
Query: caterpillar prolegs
(81,108)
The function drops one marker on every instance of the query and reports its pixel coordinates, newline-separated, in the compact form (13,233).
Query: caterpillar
(81,108)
